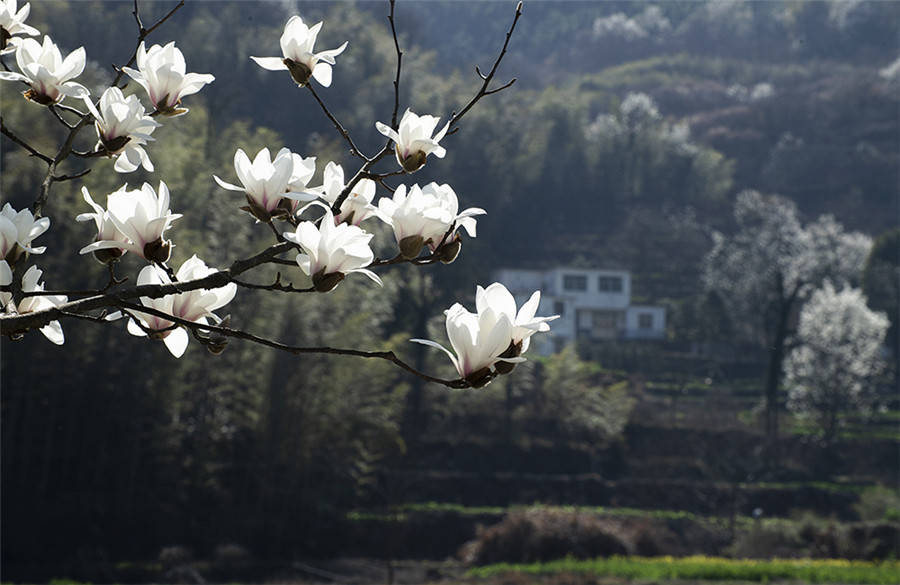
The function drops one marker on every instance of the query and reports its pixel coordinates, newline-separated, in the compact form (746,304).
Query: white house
(591,304)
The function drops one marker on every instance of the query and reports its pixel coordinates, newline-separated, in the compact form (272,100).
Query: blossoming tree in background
(323,232)
(841,344)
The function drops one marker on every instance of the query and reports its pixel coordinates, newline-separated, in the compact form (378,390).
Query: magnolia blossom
(297,43)
(107,232)
(266,182)
(13,23)
(141,216)
(196,306)
(496,297)
(478,341)
(424,215)
(357,207)
(414,141)
(161,72)
(332,251)
(53,330)
(123,127)
(49,75)
(17,230)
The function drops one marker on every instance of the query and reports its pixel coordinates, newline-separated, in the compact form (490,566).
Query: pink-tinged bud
(413,162)
(114,145)
(257,210)
(38,98)
(411,246)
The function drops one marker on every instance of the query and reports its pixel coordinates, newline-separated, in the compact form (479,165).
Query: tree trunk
(773,379)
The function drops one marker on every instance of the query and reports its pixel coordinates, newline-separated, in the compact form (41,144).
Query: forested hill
(796,98)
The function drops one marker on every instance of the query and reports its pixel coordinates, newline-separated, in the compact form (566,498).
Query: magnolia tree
(770,266)
(831,372)
(322,231)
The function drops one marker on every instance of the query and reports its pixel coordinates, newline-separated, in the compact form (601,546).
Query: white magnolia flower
(496,297)
(297,43)
(414,141)
(17,230)
(266,182)
(107,232)
(49,75)
(332,251)
(13,23)
(196,306)
(53,330)
(478,341)
(161,72)
(357,207)
(123,126)
(142,217)
(424,215)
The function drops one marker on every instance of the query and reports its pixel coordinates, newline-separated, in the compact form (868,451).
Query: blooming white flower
(196,306)
(266,181)
(161,72)
(49,75)
(497,298)
(17,230)
(53,330)
(332,251)
(478,341)
(107,232)
(13,23)
(423,215)
(357,207)
(297,43)
(142,217)
(123,126)
(414,141)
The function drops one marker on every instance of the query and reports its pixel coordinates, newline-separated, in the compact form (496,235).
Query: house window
(645,321)
(610,284)
(559,308)
(574,282)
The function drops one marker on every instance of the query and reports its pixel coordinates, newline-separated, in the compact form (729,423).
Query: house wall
(634,329)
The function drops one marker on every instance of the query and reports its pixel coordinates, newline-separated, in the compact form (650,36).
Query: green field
(711,568)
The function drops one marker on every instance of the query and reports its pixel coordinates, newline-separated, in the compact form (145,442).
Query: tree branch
(353,149)
(456,117)
(34,152)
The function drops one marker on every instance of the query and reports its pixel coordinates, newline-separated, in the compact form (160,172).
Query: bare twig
(78,175)
(34,152)
(399,61)
(484,90)
(296,350)
(353,149)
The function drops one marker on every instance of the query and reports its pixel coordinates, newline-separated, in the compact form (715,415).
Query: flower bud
(257,210)
(158,250)
(114,145)
(449,251)
(413,162)
(327,282)
(514,350)
(38,98)
(108,255)
(299,71)
(410,246)
(480,378)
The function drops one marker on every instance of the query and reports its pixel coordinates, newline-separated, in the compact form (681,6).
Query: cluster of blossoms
(327,220)
(123,125)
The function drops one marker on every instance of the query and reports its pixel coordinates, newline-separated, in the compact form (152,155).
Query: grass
(711,568)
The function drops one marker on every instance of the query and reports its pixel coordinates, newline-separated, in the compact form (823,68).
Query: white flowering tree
(767,270)
(321,233)
(831,372)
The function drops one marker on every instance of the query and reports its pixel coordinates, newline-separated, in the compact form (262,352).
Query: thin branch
(399,61)
(59,117)
(455,118)
(276,286)
(78,175)
(296,350)
(34,152)
(353,149)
